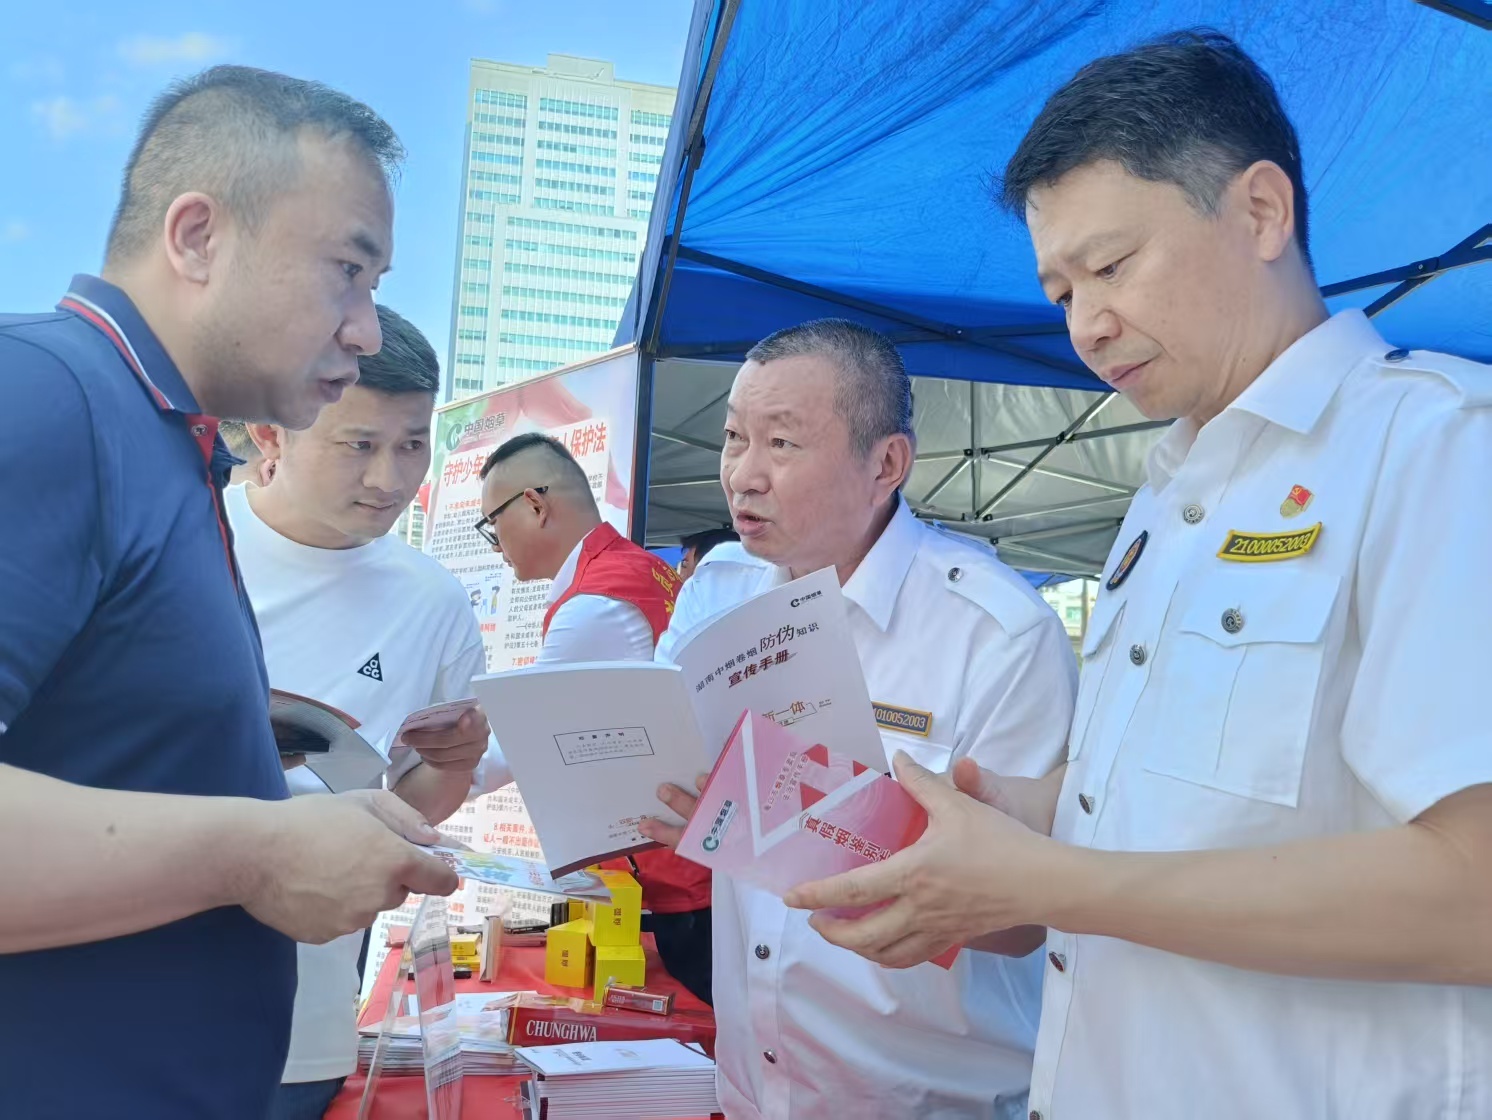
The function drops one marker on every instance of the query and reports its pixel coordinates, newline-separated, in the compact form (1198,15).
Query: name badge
(906,720)
(1256,548)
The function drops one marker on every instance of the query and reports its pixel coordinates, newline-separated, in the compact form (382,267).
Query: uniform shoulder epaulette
(974,572)
(1471,380)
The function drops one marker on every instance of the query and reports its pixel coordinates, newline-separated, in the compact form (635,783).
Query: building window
(543,203)
(518,268)
(576,149)
(472,310)
(640,196)
(578,109)
(495,177)
(578,188)
(500,122)
(499,138)
(642,140)
(657,120)
(501,97)
(582,321)
(479,241)
(524,363)
(480,219)
(478,263)
(467,334)
(492,196)
(468,359)
(474,288)
(497,157)
(544,295)
(642,215)
(574,168)
(642,177)
(552,343)
(546,226)
(577,130)
(643,157)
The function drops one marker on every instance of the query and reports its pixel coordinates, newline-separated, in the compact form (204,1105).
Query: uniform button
(955,574)
(762,952)
(1059,962)
(1397,355)
(1193,514)
(1232,620)
(770,1055)
(1086,802)
(1137,654)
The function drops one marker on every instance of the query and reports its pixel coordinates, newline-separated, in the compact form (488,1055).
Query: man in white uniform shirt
(354,617)
(1269,879)
(818,443)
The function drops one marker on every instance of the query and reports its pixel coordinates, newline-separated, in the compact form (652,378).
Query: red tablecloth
(482,1098)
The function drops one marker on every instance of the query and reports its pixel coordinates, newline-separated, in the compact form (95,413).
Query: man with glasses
(610,601)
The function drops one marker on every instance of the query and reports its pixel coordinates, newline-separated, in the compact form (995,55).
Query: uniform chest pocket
(1243,663)
(1097,650)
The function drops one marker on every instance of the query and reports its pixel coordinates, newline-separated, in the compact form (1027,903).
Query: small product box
(618,922)
(568,955)
(619,964)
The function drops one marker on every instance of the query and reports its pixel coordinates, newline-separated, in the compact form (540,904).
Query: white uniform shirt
(807,1030)
(378,631)
(1227,705)
(587,628)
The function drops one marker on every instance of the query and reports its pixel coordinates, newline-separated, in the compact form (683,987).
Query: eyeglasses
(485,526)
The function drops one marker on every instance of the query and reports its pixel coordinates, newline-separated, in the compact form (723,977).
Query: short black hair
(1190,108)
(703,542)
(406,363)
(236,437)
(874,393)
(567,469)
(231,132)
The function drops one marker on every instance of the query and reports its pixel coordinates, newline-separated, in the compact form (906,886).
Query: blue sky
(74,80)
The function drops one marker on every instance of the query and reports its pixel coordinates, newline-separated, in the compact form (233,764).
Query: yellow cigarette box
(568,955)
(618,922)
(579,909)
(619,964)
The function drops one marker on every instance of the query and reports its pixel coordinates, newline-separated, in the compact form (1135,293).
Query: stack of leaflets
(659,1079)
(482,1019)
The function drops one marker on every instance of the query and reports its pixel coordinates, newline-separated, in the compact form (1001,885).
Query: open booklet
(329,740)
(589,744)
(779,811)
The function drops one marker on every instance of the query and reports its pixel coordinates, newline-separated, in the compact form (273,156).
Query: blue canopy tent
(837,158)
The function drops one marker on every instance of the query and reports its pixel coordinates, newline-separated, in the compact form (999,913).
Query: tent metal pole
(693,152)
(1072,530)
(687,441)
(1064,476)
(1025,445)
(1069,507)
(1410,276)
(976,470)
(942,483)
(946,330)
(642,455)
(1065,436)
(1478,13)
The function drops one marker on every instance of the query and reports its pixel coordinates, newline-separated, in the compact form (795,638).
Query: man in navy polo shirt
(154,872)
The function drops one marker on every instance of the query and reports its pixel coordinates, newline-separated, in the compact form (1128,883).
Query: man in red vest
(610,600)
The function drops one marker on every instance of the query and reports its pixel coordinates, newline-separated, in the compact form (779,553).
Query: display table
(482,1098)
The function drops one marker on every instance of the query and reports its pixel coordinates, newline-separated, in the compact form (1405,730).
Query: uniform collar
(566,575)
(876,583)
(1292,392)
(113,314)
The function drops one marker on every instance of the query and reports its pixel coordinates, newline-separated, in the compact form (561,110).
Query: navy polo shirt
(129,660)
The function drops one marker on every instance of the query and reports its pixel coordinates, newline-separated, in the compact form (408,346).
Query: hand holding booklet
(778,811)
(589,744)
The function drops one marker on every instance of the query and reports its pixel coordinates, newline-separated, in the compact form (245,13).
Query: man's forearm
(435,793)
(1411,903)
(83,864)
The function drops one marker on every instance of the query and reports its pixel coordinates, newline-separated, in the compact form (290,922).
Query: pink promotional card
(777,812)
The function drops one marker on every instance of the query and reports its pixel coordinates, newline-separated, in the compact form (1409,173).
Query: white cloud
(64,117)
(156,50)
(13,231)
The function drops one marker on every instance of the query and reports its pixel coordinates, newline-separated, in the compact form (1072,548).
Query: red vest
(613,567)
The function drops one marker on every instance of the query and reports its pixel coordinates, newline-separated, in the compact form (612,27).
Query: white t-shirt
(377,631)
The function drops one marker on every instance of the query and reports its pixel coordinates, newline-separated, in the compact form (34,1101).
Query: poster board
(591,407)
